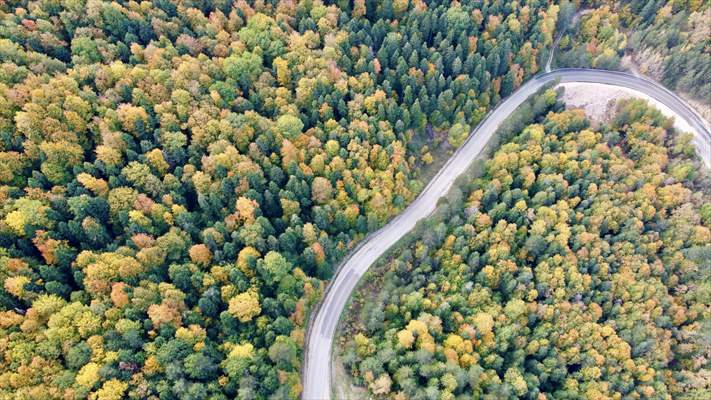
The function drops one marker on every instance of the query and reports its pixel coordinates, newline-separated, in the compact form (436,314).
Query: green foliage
(595,41)
(562,272)
(274,267)
(178,178)
(289,126)
(667,40)
(457,134)
(243,68)
(262,32)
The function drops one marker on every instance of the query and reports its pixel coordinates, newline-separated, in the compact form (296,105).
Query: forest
(178,178)
(575,266)
(666,40)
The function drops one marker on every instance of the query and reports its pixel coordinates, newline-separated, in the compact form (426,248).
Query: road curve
(322,325)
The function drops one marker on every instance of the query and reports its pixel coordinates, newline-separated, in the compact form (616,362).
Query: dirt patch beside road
(598,101)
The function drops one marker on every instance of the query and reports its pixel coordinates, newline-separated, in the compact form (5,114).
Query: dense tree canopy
(668,40)
(178,177)
(576,266)
(595,41)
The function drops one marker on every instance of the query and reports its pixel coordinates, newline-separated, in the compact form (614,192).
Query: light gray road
(317,362)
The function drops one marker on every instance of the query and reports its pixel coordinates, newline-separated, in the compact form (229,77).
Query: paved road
(317,363)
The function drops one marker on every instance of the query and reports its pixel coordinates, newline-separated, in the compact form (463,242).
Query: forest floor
(369,287)
(598,102)
(440,150)
(629,64)
(703,109)
(343,387)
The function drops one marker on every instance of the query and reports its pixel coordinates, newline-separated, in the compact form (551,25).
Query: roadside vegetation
(574,266)
(596,41)
(179,178)
(668,41)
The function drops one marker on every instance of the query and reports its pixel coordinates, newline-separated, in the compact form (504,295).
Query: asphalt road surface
(317,361)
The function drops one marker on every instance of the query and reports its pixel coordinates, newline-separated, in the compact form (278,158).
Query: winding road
(322,327)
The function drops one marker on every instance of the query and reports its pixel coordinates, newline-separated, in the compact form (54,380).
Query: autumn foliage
(179,178)
(576,266)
